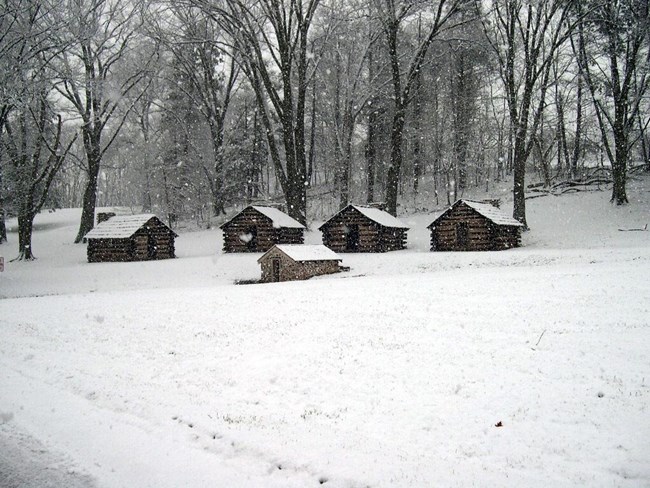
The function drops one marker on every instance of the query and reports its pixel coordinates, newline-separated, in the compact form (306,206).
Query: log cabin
(130,238)
(474,226)
(287,262)
(358,228)
(257,229)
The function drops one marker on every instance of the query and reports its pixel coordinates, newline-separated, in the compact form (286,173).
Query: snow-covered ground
(395,374)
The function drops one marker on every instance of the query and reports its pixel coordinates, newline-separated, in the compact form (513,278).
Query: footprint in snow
(6,417)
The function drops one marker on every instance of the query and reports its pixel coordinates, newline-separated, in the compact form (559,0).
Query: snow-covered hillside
(395,374)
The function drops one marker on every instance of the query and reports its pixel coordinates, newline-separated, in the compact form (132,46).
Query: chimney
(277,205)
(379,205)
(103,216)
(495,202)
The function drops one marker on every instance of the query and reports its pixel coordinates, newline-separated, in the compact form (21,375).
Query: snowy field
(395,374)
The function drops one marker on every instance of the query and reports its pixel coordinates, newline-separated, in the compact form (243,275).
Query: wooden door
(251,245)
(352,237)
(152,248)
(275,277)
(462,235)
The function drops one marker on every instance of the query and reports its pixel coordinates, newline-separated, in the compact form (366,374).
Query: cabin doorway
(251,234)
(152,248)
(352,238)
(275,276)
(462,235)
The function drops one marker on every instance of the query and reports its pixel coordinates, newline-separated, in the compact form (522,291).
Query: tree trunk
(92,143)
(347,160)
(393,175)
(296,198)
(397,127)
(461,122)
(3,225)
(643,140)
(299,133)
(563,159)
(88,206)
(25,230)
(511,155)
(371,155)
(256,158)
(417,116)
(147,203)
(340,172)
(577,145)
(371,150)
(437,140)
(312,136)
(218,201)
(217,182)
(619,167)
(519,211)
(519,169)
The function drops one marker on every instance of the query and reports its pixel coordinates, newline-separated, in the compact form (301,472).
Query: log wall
(135,248)
(391,239)
(482,233)
(162,241)
(115,250)
(506,237)
(267,235)
(372,236)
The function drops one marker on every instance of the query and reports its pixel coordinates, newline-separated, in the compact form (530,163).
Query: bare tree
(271,38)
(211,72)
(33,143)
(394,15)
(577,48)
(100,35)
(525,35)
(371,142)
(620,39)
(376,105)
(143,113)
(143,101)
(36,153)
(466,56)
(348,83)
(25,36)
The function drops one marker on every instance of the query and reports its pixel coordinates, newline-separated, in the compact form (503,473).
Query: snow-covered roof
(493,213)
(488,211)
(302,252)
(119,227)
(379,216)
(277,217)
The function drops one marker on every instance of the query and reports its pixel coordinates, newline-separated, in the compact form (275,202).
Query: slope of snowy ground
(394,374)
(571,228)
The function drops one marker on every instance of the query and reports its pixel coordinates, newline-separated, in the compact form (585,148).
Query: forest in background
(190,108)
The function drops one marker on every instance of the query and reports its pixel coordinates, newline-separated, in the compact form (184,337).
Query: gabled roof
(302,252)
(376,215)
(120,227)
(278,218)
(490,212)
